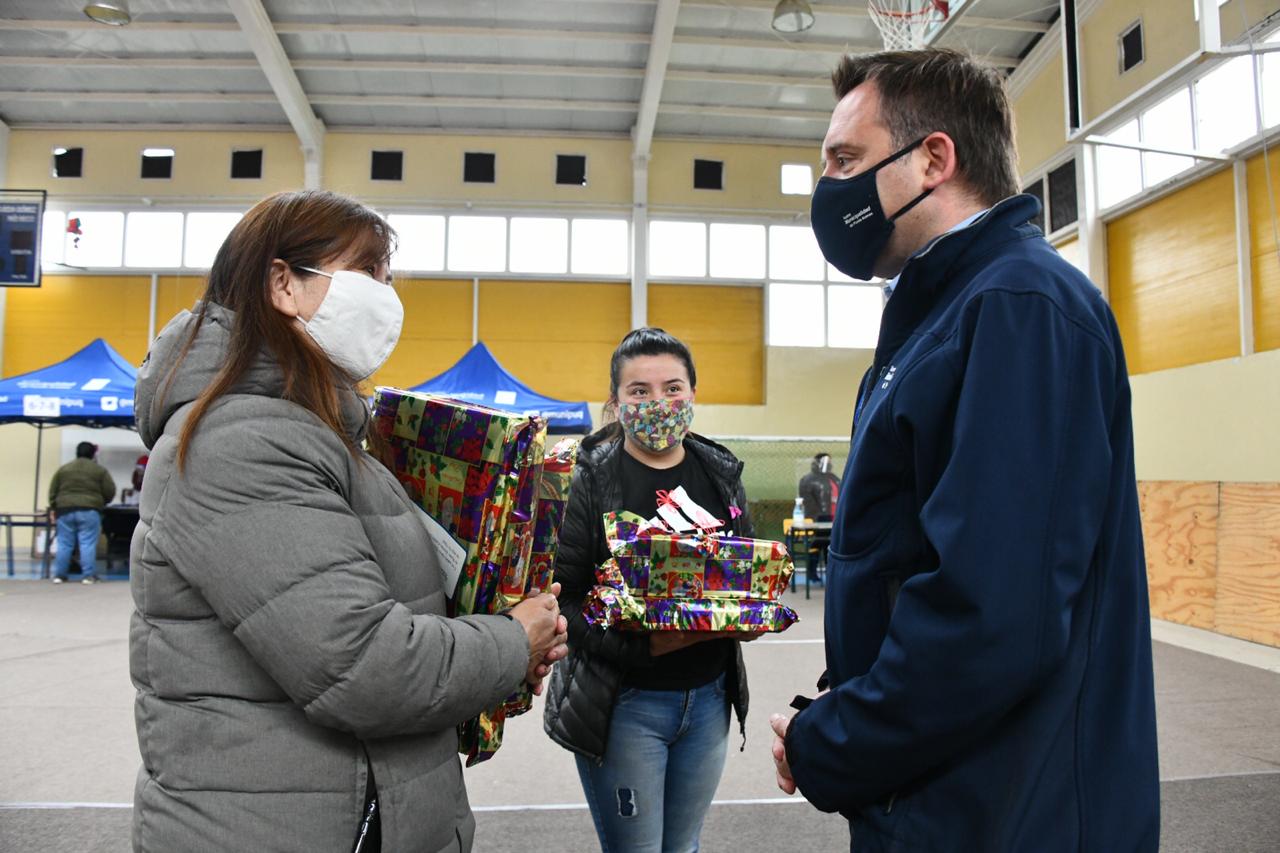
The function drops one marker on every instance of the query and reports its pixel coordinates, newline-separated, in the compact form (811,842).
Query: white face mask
(358,322)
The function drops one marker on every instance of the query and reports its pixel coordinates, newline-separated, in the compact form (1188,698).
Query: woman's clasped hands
(548,634)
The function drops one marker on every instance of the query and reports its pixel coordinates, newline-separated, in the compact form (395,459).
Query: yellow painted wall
(556,336)
(724,329)
(437,331)
(1266,263)
(46,324)
(524,169)
(1172,277)
(1215,421)
(1040,125)
(752,176)
(1170,35)
(112,162)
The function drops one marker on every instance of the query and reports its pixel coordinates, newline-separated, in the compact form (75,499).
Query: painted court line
(1215,644)
(535,807)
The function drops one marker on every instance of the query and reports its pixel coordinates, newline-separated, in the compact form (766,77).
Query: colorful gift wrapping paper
(659,581)
(485,476)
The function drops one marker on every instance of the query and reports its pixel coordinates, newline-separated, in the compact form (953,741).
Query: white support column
(1244,256)
(655,72)
(640,243)
(475,310)
(1210,26)
(151,311)
(261,33)
(1092,239)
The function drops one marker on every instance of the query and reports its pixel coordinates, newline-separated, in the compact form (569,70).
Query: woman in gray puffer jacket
(290,648)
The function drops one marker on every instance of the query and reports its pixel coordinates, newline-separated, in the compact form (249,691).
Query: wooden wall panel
(175,293)
(1248,603)
(437,331)
(556,337)
(1180,534)
(1172,277)
(1266,264)
(723,327)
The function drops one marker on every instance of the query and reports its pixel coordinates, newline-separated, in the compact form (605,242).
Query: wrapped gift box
(659,581)
(484,475)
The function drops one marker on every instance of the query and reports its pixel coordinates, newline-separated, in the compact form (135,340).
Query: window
(678,249)
(1167,124)
(479,168)
(419,242)
(834,274)
(737,251)
(94,238)
(571,170)
(53,232)
(153,239)
(794,254)
(601,247)
(1131,47)
(478,243)
(1036,188)
(853,316)
(1063,201)
(246,165)
(68,162)
(157,163)
(1119,169)
(206,232)
(708,175)
(796,315)
(539,245)
(1226,110)
(386,166)
(797,179)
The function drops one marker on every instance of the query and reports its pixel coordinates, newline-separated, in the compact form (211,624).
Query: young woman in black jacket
(647,714)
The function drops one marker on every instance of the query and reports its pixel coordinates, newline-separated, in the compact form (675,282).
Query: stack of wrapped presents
(485,475)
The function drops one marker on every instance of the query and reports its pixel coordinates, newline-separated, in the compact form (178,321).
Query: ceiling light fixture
(792,16)
(114,13)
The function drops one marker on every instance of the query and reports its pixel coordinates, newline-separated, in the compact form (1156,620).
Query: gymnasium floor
(68,754)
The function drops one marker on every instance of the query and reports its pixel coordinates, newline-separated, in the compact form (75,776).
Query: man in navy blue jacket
(987,631)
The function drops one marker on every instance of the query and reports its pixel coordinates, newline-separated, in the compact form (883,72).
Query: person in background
(987,628)
(78,493)
(298,681)
(646,714)
(819,489)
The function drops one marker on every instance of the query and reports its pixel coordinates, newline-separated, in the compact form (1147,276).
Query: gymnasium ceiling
(534,66)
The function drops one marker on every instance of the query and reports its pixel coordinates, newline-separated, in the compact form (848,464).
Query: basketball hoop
(903,24)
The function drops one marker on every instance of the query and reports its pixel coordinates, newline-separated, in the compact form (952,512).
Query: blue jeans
(662,763)
(82,527)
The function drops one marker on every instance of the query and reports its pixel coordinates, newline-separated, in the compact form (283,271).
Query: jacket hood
(158,396)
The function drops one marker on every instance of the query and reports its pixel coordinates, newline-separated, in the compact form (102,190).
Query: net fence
(772,470)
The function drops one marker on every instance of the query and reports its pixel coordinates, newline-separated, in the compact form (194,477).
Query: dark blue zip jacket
(987,628)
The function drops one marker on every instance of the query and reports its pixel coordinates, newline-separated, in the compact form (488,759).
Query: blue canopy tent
(94,387)
(479,378)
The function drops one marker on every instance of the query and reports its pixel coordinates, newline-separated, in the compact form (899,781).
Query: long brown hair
(303,229)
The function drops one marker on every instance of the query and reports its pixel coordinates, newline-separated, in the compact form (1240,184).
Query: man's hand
(779,723)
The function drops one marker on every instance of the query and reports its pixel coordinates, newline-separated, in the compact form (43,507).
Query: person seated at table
(77,494)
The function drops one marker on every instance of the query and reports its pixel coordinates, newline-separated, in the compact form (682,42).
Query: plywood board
(1180,535)
(1249,562)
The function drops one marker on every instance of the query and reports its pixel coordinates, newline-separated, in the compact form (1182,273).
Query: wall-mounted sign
(21,216)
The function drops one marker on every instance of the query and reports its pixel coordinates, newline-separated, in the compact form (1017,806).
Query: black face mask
(850,224)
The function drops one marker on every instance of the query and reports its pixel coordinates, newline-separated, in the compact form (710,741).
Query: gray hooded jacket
(289,631)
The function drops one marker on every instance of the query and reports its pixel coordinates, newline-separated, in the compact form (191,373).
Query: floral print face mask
(658,425)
